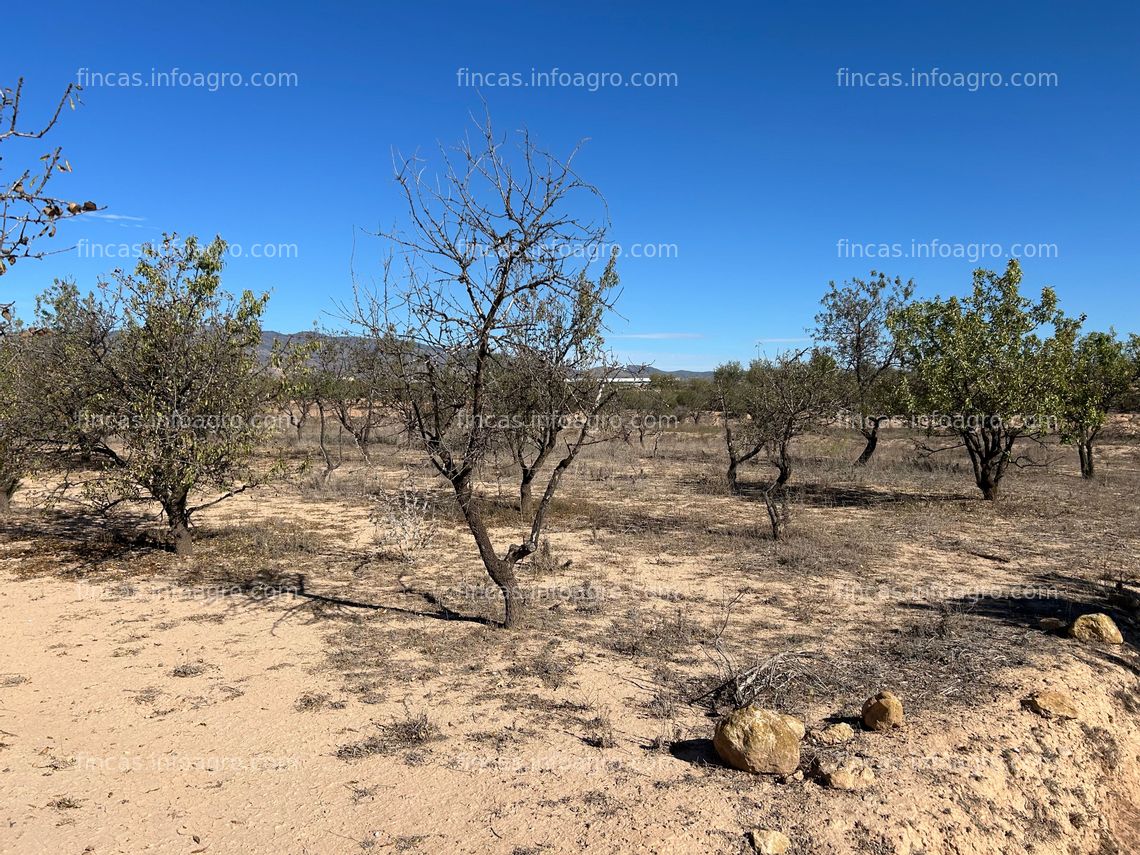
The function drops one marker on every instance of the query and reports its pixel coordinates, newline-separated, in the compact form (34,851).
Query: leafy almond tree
(991,363)
(1100,371)
(176,394)
(48,381)
(14,439)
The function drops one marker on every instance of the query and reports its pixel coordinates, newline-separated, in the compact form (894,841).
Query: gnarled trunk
(502,572)
(733,483)
(870,434)
(178,521)
(526,491)
(989,449)
(8,485)
(783,463)
(180,534)
(777,508)
(988,484)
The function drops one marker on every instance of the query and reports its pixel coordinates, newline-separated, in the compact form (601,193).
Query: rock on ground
(759,740)
(1052,704)
(1096,627)
(835,734)
(767,841)
(883,712)
(847,774)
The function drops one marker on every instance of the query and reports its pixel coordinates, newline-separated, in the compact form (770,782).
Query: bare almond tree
(494,249)
(355,387)
(768,405)
(28,212)
(556,372)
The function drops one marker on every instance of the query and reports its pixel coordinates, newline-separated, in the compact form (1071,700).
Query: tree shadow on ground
(266,585)
(836,496)
(88,539)
(857,496)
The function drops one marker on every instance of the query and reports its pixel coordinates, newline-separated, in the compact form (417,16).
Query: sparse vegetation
(445,573)
(165,389)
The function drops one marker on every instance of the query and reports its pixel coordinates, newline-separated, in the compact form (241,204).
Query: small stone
(1096,627)
(849,774)
(767,841)
(835,734)
(759,741)
(883,712)
(1052,624)
(1050,704)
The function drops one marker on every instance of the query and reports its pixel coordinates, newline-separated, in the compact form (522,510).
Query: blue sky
(747,173)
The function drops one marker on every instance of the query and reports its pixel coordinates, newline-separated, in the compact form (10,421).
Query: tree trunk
(989,450)
(989,469)
(183,540)
(872,437)
(502,573)
(1085,449)
(777,513)
(733,483)
(784,467)
(8,486)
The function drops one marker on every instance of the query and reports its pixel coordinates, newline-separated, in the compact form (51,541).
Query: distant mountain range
(269,338)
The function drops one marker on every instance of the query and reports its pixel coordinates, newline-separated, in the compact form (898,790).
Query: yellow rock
(848,774)
(835,734)
(883,712)
(1051,704)
(769,842)
(1096,627)
(759,740)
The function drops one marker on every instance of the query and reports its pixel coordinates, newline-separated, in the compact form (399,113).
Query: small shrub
(600,732)
(310,702)
(412,732)
(543,561)
(405,522)
(189,669)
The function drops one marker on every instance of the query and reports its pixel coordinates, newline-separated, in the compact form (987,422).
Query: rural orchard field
(297,682)
(527,429)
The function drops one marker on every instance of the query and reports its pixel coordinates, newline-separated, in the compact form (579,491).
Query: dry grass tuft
(411,732)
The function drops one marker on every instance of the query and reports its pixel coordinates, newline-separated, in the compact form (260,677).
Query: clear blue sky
(749,171)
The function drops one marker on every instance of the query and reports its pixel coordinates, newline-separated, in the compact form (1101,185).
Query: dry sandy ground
(287,691)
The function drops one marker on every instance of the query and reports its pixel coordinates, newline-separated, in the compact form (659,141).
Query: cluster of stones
(767,742)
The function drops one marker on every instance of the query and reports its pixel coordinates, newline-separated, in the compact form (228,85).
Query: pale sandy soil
(288,691)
